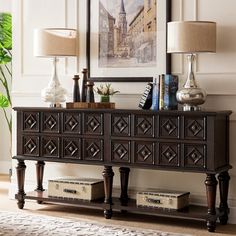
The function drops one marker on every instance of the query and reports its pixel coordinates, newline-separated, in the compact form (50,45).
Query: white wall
(215,72)
(5,144)
(5,5)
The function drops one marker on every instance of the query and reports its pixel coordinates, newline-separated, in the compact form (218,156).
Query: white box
(163,199)
(76,188)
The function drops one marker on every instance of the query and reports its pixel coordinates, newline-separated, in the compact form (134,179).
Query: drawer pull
(151,200)
(69,191)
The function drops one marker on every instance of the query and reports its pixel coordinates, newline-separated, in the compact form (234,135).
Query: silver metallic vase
(191,96)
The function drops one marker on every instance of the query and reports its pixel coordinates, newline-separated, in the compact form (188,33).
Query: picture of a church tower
(122,24)
(127,33)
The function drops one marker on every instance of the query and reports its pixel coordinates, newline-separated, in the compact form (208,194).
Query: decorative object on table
(91,105)
(113,48)
(90,93)
(146,98)
(84,82)
(191,37)
(170,90)
(167,199)
(161,91)
(54,42)
(76,188)
(105,91)
(164,92)
(76,91)
(155,93)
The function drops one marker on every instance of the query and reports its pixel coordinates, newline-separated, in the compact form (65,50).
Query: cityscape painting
(126,40)
(127,33)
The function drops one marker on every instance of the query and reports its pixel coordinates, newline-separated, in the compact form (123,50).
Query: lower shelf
(43,196)
(192,212)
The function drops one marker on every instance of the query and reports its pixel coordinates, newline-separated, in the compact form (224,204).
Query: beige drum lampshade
(191,37)
(54,42)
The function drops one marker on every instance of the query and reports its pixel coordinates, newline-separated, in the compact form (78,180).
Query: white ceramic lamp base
(54,94)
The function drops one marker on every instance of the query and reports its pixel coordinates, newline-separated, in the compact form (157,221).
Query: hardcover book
(155,93)
(170,90)
(146,98)
(161,92)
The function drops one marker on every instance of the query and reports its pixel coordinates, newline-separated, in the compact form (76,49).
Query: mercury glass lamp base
(187,107)
(191,98)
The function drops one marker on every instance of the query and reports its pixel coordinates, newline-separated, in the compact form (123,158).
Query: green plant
(5,64)
(105,90)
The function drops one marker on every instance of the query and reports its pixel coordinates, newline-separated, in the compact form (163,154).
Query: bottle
(84,82)
(90,93)
(76,92)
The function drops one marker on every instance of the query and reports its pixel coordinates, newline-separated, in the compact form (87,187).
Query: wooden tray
(93,105)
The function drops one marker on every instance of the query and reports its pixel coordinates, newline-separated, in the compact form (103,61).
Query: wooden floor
(133,220)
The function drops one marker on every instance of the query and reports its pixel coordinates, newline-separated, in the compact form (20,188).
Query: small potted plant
(105,91)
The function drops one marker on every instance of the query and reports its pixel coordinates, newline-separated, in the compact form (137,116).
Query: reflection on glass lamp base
(190,96)
(54,94)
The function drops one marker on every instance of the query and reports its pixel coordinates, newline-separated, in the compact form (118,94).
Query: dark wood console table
(163,140)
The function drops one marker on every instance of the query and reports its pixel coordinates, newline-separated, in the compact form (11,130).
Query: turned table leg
(124,180)
(224,187)
(211,184)
(20,171)
(108,182)
(39,175)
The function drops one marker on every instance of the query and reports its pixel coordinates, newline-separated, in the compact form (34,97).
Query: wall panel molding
(198,5)
(195,10)
(68,14)
(178,59)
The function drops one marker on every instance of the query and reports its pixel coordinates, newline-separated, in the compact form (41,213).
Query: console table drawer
(195,156)
(71,123)
(169,127)
(144,153)
(50,122)
(144,126)
(30,145)
(93,150)
(71,148)
(31,121)
(120,125)
(169,154)
(195,128)
(120,151)
(93,123)
(50,147)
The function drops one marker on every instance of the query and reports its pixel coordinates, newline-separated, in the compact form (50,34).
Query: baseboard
(5,167)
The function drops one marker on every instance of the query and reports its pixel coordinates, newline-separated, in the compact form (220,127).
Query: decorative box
(76,188)
(163,199)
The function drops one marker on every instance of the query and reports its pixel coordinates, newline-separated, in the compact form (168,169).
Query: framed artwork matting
(126,39)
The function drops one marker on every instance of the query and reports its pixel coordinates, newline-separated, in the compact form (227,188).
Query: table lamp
(191,37)
(54,43)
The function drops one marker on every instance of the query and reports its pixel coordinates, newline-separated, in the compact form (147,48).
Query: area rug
(12,224)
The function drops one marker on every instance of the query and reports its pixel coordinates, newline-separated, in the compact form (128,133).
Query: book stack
(164,92)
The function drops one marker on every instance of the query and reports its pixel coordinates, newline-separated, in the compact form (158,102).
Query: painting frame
(166,58)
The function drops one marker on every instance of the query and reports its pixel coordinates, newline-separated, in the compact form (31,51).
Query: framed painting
(126,39)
